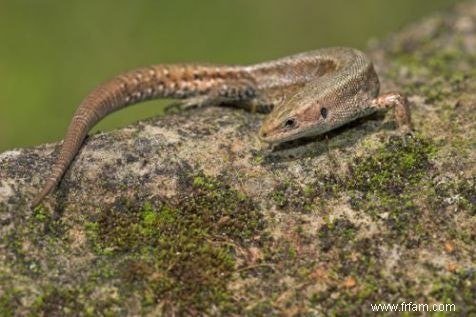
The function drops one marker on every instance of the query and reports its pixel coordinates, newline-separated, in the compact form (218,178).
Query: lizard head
(291,121)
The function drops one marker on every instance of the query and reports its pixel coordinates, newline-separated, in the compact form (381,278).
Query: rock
(188,214)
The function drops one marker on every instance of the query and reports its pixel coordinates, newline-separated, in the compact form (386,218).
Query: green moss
(71,300)
(204,182)
(308,191)
(180,256)
(366,290)
(258,159)
(279,198)
(198,181)
(92,232)
(384,185)
(262,308)
(458,289)
(9,301)
(177,254)
(397,164)
(292,252)
(56,302)
(338,234)
(294,197)
(41,214)
(91,227)
(149,217)
(435,74)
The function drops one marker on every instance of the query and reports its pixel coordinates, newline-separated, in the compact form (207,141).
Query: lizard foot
(402,110)
(404,134)
(191,103)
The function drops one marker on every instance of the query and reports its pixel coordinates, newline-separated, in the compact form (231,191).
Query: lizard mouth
(271,138)
(276,136)
(267,136)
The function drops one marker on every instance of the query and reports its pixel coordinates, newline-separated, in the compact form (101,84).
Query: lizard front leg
(402,110)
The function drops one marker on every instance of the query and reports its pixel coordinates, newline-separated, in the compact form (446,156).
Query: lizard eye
(324,112)
(290,123)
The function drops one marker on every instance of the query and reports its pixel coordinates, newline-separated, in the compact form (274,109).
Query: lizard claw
(405,134)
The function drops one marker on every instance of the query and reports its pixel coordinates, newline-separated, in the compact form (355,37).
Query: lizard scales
(309,93)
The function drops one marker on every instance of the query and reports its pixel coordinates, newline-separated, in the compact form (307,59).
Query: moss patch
(384,185)
(458,289)
(393,168)
(433,73)
(336,234)
(180,255)
(303,199)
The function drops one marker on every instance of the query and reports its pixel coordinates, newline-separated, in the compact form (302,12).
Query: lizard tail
(102,100)
(159,81)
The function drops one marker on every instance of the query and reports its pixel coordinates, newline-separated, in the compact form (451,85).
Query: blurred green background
(52,52)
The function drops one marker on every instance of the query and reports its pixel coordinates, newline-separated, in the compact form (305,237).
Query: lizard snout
(264,134)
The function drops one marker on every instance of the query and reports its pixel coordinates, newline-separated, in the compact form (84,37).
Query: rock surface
(186,214)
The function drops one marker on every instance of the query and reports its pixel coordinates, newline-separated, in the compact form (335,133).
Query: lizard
(306,94)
